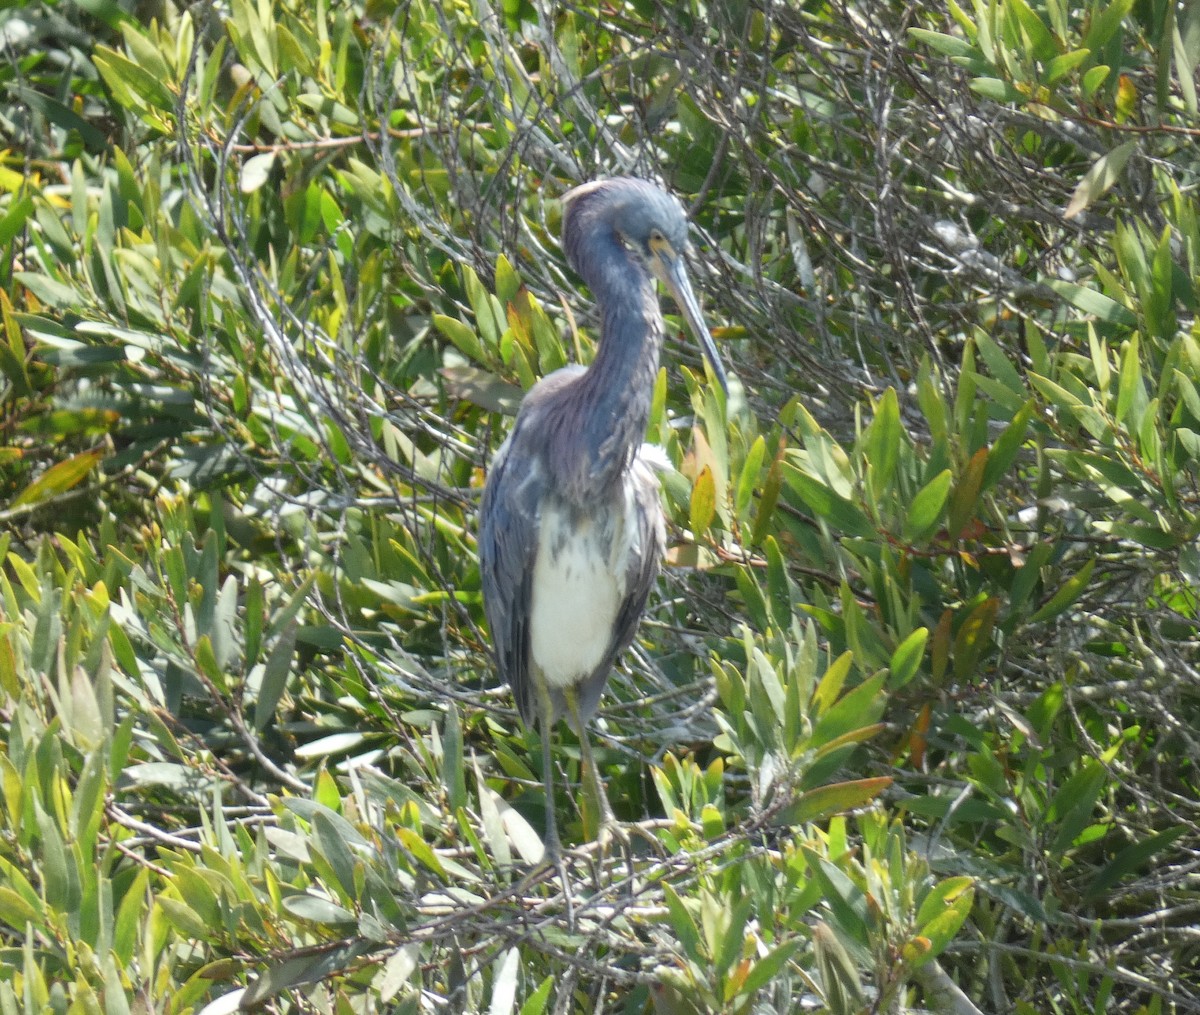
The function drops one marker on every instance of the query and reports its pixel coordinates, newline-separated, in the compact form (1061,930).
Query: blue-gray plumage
(571,527)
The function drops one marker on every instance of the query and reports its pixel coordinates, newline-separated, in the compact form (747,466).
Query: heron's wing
(647,520)
(508,534)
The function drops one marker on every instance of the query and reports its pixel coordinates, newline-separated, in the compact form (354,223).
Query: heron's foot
(613,833)
(611,830)
(554,859)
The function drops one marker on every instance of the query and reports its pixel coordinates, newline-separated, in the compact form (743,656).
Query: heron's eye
(657,243)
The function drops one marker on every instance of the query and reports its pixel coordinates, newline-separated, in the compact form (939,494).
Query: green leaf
(318,909)
(842,514)
(256,35)
(969,28)
(947,45)
(504,983)
(59,478)
(87,805)
(275,676)
(454,775)
(129,916)
(16,911)
(686,931)
(483,388)
(303,969)
(779,585)
(974,638)
(831,684)
(1185,53)
(254,613)
(336,852)
(13,354)
(462,335)
(1073,804)
(766,678)
(939,897)
(931,399)
(964,499)
(14,221)
(1104,173)
(327,746)
(770,496)
(330,109)
(84,715)
(132,86)
(200,893)
(536,1003)
(840,981)
(751,467)
(1092,302)
(1056,394)
(1092,79)
(703,507)
(1066,595)
(712,822)
(925,512)
(998,363)
(224,622)
(1129,384)
(882,443)
(50,291)
(942,914)
(836,798)
(108,11)
(997,90)
(489,314)
(906,660)
(1037,37)
(508,282)
(768,967)
(1063,64)
(183,918)
(1004,452)
(256,171)
(206,658)
(1028,574)
(492,824)
(1130,860)
(728,947)
(145,51)
(858,708)
(1105,24)
(518,831)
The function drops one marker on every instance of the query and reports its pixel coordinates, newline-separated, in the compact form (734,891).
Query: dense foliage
(912,720)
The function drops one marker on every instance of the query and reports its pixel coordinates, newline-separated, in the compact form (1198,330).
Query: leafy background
(912,718)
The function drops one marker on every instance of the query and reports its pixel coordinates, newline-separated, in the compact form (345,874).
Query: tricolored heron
(570,526)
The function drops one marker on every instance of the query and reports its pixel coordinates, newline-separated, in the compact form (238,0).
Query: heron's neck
(618,387)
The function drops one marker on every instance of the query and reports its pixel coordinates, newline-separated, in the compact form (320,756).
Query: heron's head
(652,227)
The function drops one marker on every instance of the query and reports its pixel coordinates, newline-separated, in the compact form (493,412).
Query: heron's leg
(553,846)
(610,827)
(554,852)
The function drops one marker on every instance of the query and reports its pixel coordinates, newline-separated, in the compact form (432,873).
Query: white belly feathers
(576,595)
(580,579)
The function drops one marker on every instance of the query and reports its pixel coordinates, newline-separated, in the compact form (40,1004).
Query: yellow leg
(554,852)
(610,827)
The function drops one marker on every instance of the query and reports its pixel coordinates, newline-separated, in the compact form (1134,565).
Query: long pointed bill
(674,277)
